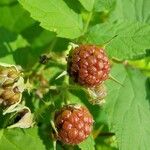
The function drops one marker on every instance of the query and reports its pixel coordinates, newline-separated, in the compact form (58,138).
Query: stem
(53,126)
(54,145)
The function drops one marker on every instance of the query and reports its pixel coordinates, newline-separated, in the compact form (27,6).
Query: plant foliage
(30,29)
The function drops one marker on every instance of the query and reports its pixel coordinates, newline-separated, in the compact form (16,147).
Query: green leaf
(87,4)
(88,144)
(14,17)
(6,37)
(126,40)
(131,10)
(57,17)
(128,108)
(28,46)
(1,134)
(20,42)
(18,139)
(105,147)
(104,5)
(9,44)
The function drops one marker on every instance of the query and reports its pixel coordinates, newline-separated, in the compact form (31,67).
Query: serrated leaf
(128,108)
(87,4)
(18,139)
(131,10)
(57,17)
(88,144)
(131,38)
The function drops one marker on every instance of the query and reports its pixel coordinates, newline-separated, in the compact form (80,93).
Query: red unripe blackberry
(73,123)
(88,65)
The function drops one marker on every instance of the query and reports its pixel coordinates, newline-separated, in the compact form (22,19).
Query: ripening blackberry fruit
(73,123)
(88,65)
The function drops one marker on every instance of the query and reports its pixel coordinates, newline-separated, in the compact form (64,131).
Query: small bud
(97,94)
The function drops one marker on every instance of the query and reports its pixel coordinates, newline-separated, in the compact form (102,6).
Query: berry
(73,123)
(88,65)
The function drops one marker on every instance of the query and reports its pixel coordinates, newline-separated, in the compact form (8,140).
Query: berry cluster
(73,123)
(88,65)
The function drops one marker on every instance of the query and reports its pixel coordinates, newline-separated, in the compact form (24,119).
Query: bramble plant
(74,74)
